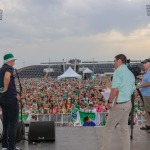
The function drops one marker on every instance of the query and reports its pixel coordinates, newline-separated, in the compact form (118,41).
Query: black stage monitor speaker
(42,131)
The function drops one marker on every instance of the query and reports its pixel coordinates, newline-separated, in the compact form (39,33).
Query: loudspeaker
(42,131)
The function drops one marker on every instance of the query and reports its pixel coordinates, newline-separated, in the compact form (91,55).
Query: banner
(92,116)
(24,117)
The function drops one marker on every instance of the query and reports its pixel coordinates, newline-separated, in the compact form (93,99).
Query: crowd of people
(68,96)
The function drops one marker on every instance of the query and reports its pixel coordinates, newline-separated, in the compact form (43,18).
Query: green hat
(9,57)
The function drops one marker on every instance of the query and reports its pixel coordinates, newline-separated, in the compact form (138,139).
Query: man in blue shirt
(88,122)
(145,91)
(123,85)
(9,103)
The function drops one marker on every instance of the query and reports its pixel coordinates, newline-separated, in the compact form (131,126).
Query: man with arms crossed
(123,85)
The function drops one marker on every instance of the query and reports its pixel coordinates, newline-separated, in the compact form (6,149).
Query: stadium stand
(37,71)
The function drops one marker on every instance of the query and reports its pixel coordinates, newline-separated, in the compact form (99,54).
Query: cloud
(36,30)
(102,46)
(56,19)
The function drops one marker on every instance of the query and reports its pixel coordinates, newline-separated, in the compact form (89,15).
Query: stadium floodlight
(1,14)
(148,10)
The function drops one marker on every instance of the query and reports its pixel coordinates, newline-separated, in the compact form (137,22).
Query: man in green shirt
(123,85)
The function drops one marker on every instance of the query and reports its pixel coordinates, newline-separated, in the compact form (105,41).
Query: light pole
(148,10)
(1,14)
(63,65)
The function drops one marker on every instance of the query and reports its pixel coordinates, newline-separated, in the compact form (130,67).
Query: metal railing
(141,119)
(59,119)
(65,119)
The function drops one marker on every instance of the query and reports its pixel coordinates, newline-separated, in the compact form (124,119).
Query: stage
(87,138)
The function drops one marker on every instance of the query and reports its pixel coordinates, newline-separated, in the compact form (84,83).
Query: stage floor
(87,138)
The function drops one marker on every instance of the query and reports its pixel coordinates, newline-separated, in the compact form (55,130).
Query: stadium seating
(37,71)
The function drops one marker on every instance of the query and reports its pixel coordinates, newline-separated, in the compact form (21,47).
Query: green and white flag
(91,115)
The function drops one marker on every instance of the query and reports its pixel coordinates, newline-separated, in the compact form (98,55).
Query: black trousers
(10,112)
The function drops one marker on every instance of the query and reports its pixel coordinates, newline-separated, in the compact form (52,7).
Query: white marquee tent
(87,70)
(70,73)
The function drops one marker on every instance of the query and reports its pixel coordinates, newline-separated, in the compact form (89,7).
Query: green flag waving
(92,116)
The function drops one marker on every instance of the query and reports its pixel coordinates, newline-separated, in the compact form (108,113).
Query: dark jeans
(10,111)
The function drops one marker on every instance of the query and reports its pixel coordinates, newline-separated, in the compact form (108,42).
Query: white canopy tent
(70,73)
(87,73)
(87,70)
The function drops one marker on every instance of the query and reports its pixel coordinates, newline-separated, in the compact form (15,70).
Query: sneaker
(18,148)
(146,127)
(14,149)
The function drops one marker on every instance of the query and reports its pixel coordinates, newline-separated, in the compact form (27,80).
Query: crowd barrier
(66,119)
(59,119)
(141,119)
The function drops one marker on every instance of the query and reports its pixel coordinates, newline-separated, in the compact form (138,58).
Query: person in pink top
(56,110)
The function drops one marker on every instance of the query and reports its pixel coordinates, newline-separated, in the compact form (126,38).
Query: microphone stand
(20,92)
(22,123)
(132,116)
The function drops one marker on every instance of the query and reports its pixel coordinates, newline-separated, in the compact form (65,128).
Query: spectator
(73,111)
(88,122)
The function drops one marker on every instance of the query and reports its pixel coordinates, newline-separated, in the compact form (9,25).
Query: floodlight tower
(148,10)
(1,14)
